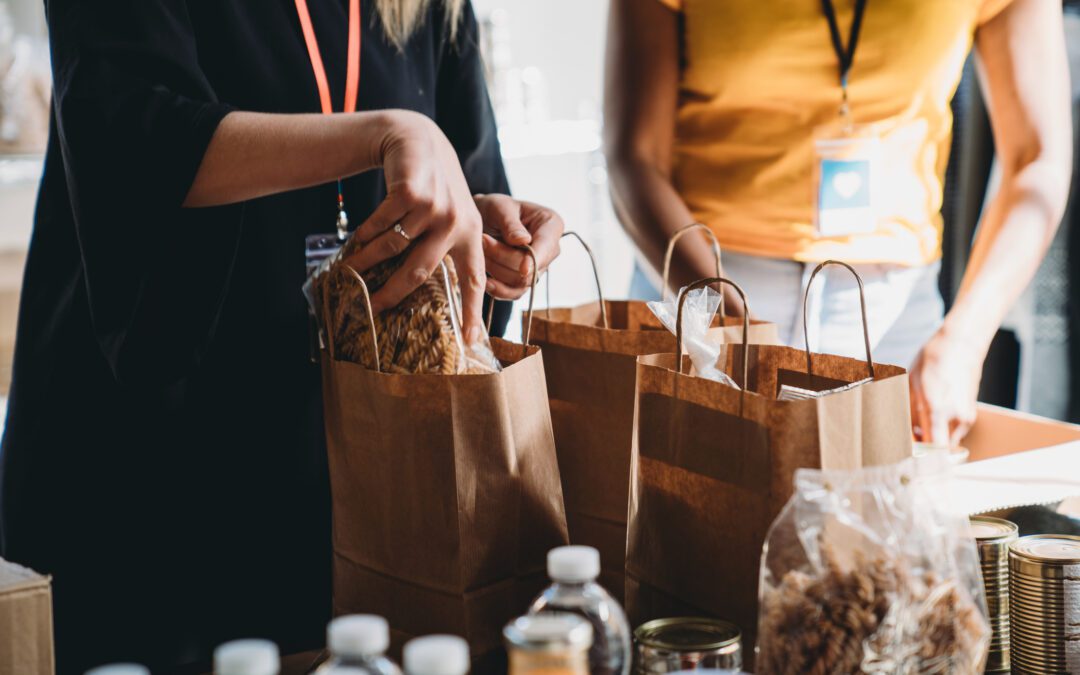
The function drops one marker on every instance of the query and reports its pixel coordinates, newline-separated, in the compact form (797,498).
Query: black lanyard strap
(845,56)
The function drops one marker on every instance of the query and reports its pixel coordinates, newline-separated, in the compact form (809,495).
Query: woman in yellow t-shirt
(729,113)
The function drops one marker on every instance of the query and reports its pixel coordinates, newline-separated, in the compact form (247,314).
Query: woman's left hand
(944,388)
(508,225)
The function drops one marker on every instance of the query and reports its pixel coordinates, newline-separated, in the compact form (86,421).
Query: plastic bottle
(119,669)
(358,645)
(247,657)
(573,571)
(436,655)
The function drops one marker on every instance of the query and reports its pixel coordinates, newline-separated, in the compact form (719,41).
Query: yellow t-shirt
(759,77)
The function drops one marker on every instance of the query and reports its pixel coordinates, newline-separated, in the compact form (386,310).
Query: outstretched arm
(1024,69)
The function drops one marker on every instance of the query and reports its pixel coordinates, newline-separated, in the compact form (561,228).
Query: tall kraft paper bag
(446,496)
(590,358)
(714,465)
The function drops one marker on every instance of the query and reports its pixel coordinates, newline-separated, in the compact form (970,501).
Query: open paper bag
(590,357)
(446,495)
(713,465)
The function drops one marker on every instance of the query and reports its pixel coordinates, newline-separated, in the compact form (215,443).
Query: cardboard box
(26,631)
(1018,459)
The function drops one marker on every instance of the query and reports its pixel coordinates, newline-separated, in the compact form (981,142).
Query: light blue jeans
(903,304)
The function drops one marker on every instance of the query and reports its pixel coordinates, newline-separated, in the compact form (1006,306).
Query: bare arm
(254,154)
(1025,72)
(640,98)
(1024,68)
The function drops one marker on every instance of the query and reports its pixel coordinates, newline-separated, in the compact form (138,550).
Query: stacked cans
(993,537)
(1044,588)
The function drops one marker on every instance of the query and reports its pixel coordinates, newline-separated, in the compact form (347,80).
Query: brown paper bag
(446,496)
(590,357)
(713,466)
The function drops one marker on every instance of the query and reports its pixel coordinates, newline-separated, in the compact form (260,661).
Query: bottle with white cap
(119,669)
(436,655)
(247,657)
(573,571)
(358,645)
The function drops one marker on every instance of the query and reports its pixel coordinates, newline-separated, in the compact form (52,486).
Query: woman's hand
(508,224)
(427,196)
(944,388)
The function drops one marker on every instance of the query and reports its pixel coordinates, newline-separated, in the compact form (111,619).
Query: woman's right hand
(427,195)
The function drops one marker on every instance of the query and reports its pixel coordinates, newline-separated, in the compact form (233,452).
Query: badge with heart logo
(844,171)
(847,184)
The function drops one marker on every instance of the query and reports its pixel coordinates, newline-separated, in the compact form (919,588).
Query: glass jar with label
(553,643)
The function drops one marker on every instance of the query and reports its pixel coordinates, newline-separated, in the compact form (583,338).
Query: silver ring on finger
(400,231)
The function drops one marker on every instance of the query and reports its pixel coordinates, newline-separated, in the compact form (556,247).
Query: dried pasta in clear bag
(422,335)
(872,571)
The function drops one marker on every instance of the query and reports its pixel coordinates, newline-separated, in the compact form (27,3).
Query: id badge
(847,166)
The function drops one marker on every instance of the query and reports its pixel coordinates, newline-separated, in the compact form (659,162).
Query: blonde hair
(401,17)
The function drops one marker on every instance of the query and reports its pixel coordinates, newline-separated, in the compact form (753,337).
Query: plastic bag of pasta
(872,571)
(422,335)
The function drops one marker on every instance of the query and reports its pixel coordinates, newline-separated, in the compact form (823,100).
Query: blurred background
(546,76)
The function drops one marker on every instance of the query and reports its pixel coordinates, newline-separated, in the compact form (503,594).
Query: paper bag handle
(330,329)
(671,252)
(532,297)
(596,277)
(862,303)
(702,283)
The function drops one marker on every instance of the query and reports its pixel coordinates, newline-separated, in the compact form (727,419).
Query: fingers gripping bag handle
(532,297)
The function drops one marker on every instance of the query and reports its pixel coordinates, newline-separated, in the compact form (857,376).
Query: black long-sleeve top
(164,456)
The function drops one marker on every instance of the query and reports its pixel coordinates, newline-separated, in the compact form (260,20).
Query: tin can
(683,643)
(548,643)
(993,537)
(1044,596)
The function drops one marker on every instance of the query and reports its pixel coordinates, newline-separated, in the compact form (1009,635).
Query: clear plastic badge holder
(847,168)
(698,313)
(323,250)
(318,249)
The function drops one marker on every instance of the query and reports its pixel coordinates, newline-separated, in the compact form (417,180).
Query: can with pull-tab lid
(684,643)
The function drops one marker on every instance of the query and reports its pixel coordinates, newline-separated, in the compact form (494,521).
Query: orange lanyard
(352,80)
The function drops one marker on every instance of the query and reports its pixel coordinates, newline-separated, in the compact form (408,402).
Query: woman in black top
(164,456)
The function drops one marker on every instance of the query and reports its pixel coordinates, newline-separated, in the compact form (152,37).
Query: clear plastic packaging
(423,334)
(872,571)
(573,571)
(358,645)
(699,311)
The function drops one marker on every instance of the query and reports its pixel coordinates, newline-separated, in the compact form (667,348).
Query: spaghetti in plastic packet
(872,571)
(421,335)
(699,310)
